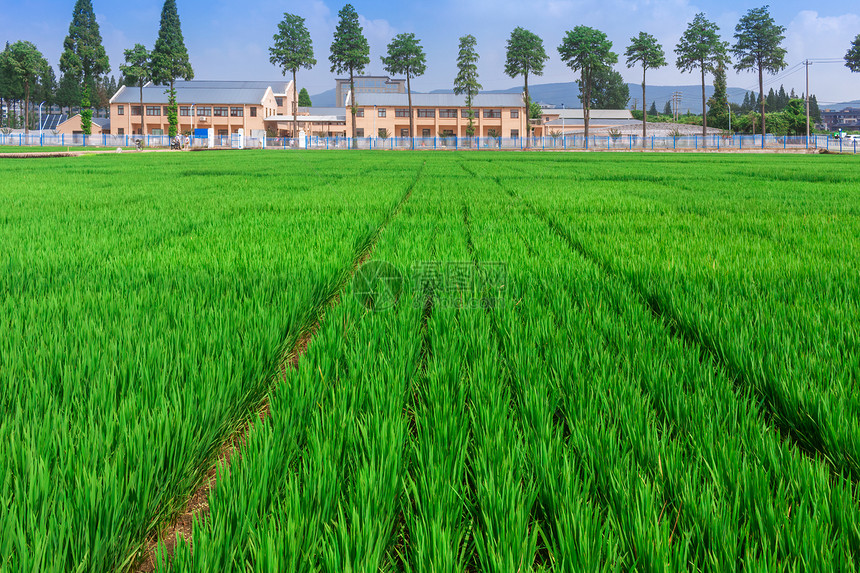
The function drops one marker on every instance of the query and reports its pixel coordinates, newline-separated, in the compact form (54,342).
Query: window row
(404,132)
(443,113)
(186,111)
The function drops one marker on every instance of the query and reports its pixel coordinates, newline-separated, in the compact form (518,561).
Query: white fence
(569,142)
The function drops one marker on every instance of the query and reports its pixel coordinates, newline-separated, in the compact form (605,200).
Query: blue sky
(229,40)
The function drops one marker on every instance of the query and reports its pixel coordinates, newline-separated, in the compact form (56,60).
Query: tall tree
(103,93)
(646,51)
(795,116)
(46,88)
(587,51)
(653,109)
(10,89)
(466,82)
(84,57)
(136,72)
(718,104)
(781,98)
(758,47)
(170,59)
(405,56)
(68,92)
(525,55)
(608,90)
(814,110)
(305,98)
(701,48)
(771,102)
(24,62)
(293,49)
(350,52)
(852,57)
(667,109)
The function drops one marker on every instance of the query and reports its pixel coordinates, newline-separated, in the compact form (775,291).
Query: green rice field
(429,362)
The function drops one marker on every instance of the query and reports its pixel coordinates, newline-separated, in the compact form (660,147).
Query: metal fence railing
(568,142)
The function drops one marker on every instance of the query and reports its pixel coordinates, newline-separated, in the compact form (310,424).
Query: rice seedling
(662,378)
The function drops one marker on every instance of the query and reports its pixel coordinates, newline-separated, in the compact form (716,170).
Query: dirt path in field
(197,505)
(79,153)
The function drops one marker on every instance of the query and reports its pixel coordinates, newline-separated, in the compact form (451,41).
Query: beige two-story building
(387,115)
(224,106)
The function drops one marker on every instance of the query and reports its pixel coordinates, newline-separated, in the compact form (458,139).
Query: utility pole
(806,63)
(676,106)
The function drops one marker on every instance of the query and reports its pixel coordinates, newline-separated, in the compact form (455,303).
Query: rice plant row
(738,494)
(582,412)
(567,428)
(749,260)
(145,306)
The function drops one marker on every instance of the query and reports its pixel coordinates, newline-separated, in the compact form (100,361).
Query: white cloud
(811,35)
(379,33)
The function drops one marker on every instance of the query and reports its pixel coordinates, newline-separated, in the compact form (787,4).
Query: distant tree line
(85,83)
(778,105)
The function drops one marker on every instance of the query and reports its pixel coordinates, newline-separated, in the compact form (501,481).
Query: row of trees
(84,64)
(167,62)
(583,49)
(21,66)
(23,87)
(586,51)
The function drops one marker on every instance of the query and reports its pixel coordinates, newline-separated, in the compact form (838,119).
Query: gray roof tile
(201,91)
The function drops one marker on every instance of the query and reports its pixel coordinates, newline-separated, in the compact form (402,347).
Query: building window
(253,112)
(515,133)
(153,110)
(237,112)
(447,133)
(220,111)
(120,110)
(492,113)
(157,132)
(223,132)
(279,101)
(359,132)
(401,113)
(120,131)
(204,111)
(166,110)
(448,113)
(135,110)
(515,114)
(426,113)
(465,113)
(185,110)
(425,133)
(382,132)
(404,133)
(359,113)
(380,112)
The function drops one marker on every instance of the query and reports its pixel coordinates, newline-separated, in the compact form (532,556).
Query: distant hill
(324,99)
(843,105)
(568,94)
